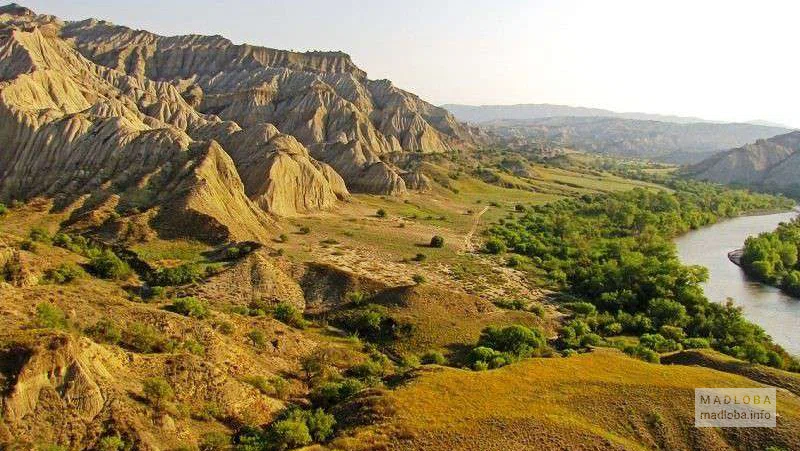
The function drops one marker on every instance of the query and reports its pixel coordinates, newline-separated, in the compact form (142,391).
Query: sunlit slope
(601,400)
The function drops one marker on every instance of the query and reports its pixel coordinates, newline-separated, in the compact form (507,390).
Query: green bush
(142,338)
(104,331)
(289,434)
(190,306)
(494,246)
(111,443)
(50,316)
(433,358)
(582,308)
(658,343)
(642,353)
(305,230)
(157,391)
(288,314)
(3,209)
(696,343)
(517,340)
(357,298)
(258,338)
(63,273)
(260,383)
(178,275)
(214,441)
(381,213)
(418,279)
(420,257)
(39,234)
(437,241)
(107,265)
(330,393)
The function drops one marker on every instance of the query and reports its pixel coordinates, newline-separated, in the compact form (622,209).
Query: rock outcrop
(320,98)
(770,163)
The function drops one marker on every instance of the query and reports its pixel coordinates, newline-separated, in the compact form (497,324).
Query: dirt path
(468,244)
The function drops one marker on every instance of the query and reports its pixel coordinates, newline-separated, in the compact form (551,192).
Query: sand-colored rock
(320,98)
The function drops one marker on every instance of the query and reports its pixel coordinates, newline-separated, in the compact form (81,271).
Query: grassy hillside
(601,400)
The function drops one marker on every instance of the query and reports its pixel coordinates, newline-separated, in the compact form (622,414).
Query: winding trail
(469,246)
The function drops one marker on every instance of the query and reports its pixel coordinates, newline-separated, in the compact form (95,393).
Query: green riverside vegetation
(771,257)
(615,252)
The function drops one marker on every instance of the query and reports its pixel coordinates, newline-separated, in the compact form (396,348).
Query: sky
(720,60)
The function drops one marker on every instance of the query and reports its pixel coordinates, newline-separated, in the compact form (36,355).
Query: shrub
(63,273)
(104,331)
(28,245)
(225,327)
(282,238)
(696,343)
(107,265)
(420,257)
(305,230)
(513,261)
(39,234)
(369,369)
(193,347)
(331,393)
(3,209)
(50,316)
(510,304)
(258,338)
(143,338)
(494,246)
(437,241)
(190,306)
(418,279)
(178,275)
(517,340)
(642,353)
(288,314)
(289,433)
(157,391)
(357,298)
(111,443)
(381,213)
(214,441)
(658,343)
(320,424)
(582,308)
(480,365)
(672,332)
(433,358)
(280,387)
(260,383)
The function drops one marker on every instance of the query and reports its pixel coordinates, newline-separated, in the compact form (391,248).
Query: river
(776,312)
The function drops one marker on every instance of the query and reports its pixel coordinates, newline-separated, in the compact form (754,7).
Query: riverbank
(775,311)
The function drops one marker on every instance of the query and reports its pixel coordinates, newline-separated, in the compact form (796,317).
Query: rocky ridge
(772,163)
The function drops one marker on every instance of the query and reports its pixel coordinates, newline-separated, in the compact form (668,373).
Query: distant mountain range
(484,113)
(772,164)
(678,143)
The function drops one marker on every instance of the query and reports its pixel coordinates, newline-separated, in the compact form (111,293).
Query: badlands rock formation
(193,135)
(773,162)
(320,98)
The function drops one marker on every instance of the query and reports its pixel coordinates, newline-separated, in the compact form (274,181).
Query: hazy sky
(725,60)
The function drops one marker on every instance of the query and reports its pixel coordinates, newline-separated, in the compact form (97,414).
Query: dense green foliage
(107,265)
(500,346)
(178,275)
(772,257)
(615,252)
(190,306)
